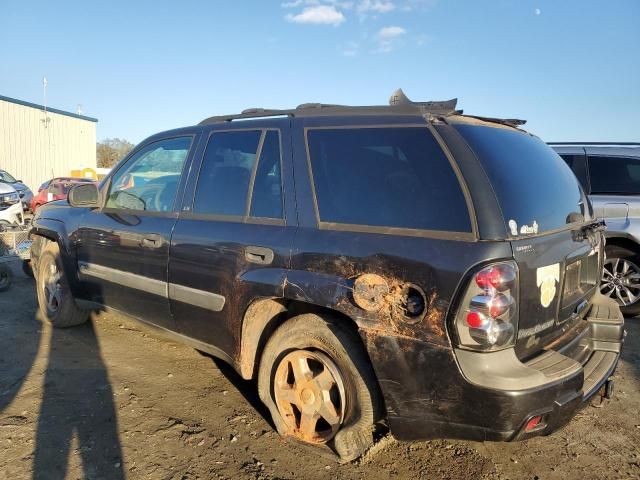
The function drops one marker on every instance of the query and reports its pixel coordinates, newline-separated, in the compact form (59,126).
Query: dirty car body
(474,294)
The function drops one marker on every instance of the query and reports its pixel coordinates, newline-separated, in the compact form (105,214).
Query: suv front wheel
(319,386)
(621,278)
(56,302)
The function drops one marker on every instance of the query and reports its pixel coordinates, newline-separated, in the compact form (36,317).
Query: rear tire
(346,412)
(617,258)
(56,302)
(6,278)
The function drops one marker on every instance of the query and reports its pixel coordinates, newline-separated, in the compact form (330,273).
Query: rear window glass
(615,175)
(536,190)
(385,177)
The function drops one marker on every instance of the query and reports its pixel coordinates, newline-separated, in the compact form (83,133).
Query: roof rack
(248,113)
(399,104)
(634,144)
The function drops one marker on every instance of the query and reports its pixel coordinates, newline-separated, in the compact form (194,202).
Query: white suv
(10,206)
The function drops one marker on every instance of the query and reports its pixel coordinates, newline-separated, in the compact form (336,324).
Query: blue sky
(571,68)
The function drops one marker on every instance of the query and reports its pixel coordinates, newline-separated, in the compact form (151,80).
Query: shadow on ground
(248,389)
(17,357)
(77,402)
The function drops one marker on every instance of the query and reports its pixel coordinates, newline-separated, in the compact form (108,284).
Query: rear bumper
(493,396)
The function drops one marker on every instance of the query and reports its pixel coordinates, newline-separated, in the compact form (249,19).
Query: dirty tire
(6,278)
(615,251)
(328,337)
(63,311)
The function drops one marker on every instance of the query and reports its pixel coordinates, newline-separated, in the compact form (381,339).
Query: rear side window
(266,200)
(614,175)
(229,170)
(577,163)
(385,177)
(536,190)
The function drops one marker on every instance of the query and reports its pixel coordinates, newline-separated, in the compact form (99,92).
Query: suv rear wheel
(319,386)
(56,303)
(621,278)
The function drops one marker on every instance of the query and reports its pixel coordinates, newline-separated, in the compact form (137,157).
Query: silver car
(25,193)
(610,174)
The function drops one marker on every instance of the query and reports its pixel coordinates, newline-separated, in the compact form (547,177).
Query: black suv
(401,264)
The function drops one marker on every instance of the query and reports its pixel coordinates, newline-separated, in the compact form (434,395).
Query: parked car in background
(610,175)
(24,192)
(11,211)
(55,189)
(401,265)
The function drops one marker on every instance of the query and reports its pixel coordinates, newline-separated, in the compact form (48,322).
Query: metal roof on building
(49,109)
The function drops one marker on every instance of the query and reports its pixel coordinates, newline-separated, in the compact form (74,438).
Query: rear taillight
(487,318)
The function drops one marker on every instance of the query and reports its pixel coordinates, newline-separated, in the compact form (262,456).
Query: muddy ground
(111,400)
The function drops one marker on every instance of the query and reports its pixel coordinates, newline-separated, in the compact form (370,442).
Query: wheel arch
(49,230)
(627,242)
(264,315)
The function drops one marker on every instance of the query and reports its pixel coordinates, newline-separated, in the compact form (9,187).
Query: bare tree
(111,150)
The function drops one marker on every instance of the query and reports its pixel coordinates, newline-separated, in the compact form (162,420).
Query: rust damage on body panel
(400,308)
(374,294)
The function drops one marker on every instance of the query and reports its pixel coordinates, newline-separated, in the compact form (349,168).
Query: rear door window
(535,188)
(614,175)
(229,170)
(395,177)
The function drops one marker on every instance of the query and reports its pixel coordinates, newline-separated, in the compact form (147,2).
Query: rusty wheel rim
(309,394)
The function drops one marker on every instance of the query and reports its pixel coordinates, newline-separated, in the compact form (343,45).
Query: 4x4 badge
(546,279)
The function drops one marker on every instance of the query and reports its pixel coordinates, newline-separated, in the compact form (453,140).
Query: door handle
(152,241)
(259,255)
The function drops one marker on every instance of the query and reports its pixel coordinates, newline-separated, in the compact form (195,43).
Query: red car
(55,189)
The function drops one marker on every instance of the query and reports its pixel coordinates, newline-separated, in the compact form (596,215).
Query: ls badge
(546,279)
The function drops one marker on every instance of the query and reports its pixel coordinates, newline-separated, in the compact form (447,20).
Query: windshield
(536,190)
(5,177)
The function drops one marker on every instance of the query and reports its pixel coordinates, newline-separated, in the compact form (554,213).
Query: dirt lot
(111,400)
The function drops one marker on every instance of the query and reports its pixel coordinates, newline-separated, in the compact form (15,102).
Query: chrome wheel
(51,287)
(621,281)
(309,395)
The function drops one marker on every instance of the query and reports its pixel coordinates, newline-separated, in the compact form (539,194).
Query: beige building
(36,145)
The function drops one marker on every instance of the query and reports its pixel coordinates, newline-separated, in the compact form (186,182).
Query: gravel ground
(112,400)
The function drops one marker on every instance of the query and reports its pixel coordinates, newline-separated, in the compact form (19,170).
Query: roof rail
(634,144)
(399,104)
(248,113)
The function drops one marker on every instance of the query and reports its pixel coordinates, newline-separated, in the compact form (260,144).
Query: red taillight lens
(475,319)
(498,277)
(488,315)
(499,304)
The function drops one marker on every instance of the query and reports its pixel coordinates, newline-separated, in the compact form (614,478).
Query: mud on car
(405,265)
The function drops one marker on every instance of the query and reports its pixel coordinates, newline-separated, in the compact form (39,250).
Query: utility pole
(44,101)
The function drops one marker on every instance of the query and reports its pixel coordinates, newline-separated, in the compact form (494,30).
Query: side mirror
(84,195)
